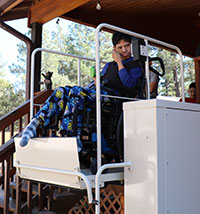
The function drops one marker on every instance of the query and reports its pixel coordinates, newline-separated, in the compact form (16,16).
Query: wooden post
(2,137)
(20,124)
(18,194)
(36,35)
(197,78)
(50,197)
(11,157)
(29,197)
(2,164)
(6,185)
(40,196)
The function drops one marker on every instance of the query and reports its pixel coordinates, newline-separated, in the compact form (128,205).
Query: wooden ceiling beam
(11,6)
(46,10)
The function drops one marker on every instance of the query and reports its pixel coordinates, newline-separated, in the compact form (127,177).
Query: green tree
(19,69)
(79,40)
(10,98)
(170,83)
(10,95)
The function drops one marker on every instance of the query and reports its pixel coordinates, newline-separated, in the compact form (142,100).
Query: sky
(8,42)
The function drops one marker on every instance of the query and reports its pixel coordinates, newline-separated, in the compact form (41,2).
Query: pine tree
(170,83)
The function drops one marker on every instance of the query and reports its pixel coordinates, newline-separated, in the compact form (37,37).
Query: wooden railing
(7,149)
(8,121)
(6,152)
(197,77)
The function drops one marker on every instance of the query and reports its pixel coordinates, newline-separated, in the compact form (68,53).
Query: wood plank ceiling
(173,21)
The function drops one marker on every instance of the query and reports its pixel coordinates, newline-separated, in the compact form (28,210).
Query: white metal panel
(141,150)
(159,103)
(182,158)
(52,153)
(49,159)
(162,141)
(161,156)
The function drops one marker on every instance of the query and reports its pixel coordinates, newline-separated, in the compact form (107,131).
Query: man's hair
(192,85)
(117,36)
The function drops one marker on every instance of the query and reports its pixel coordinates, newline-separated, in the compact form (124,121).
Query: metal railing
(53,52)
(98,180)
(98,95)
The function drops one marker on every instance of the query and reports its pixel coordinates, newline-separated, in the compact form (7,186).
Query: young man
(122,73)
(192,94)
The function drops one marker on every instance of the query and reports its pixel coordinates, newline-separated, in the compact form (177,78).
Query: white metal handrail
(98,177)
(98,95)
(54,52)
(65,172)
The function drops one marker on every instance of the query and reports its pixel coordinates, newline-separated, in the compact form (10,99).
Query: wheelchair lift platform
(55,160)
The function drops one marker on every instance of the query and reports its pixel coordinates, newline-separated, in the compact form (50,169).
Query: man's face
(192,92)
(124,49)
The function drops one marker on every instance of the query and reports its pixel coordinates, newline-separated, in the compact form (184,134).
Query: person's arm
(153,86)
(129,79)
(154,79)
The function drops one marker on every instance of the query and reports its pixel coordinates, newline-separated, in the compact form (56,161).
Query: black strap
(151,59)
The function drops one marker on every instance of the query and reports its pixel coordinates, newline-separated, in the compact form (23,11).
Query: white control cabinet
(162,139)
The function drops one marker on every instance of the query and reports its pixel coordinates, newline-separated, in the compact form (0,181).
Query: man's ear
(114,48)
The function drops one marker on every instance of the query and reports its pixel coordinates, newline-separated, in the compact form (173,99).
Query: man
(122,73)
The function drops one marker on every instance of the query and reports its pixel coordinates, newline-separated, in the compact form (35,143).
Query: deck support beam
(44,11)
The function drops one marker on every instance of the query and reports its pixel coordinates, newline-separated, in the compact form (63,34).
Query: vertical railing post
(197,78)
(20,124)
(98,98)
(11,157)
(11,130)
(29,197)
(2,137)
(6,185)
(40,196)
(2,164)
(147,71)
(18,194)
(79,72)
(50,197)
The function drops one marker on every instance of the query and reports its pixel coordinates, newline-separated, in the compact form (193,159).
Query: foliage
(19,70)
(170,83)
(79,40)
(10,97)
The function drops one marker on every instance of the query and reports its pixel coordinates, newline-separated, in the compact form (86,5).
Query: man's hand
(117,58)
